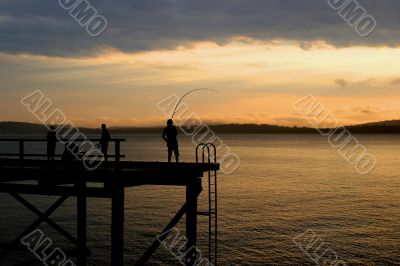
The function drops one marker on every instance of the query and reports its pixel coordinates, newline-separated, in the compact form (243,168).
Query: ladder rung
(212,214)
(206,214)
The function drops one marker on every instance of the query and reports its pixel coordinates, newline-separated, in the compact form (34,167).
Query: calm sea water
(286,185)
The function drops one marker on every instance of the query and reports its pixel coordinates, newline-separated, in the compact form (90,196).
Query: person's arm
(163,135)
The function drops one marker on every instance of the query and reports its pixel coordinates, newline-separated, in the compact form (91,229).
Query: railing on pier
(22,155)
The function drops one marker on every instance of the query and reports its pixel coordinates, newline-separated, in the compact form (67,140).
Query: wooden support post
(117,155)
(81,223)
(117,224)
(21,153)
(117,150)
(192,191)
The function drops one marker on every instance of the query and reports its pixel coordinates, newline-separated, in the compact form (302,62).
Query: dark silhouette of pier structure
(30,174)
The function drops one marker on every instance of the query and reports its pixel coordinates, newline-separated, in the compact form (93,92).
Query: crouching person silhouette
(170,134)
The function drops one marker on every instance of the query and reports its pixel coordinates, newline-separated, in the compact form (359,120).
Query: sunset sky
(261,55)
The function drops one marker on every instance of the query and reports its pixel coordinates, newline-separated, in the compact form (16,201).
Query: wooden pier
(24,173)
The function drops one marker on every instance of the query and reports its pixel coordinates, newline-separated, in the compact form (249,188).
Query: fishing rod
(177,105)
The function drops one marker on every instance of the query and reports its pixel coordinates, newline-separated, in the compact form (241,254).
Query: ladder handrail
(212,212)
(203,145)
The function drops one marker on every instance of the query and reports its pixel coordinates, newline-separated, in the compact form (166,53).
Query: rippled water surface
(286,184)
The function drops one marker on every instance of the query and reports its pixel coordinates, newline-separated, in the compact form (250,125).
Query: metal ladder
(212,212)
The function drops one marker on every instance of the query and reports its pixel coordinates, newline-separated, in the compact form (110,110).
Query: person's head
(170,122)
(103,126)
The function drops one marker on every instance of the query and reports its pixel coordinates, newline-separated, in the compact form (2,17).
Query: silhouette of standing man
(51,144)
(170,136)
(105,138)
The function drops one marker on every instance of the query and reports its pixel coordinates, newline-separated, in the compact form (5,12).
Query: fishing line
(177,105)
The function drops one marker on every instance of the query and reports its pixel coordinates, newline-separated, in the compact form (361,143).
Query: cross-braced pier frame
(26,173)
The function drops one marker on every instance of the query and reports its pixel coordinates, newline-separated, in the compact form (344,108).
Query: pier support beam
(192,192)
(81,223)
(117,224)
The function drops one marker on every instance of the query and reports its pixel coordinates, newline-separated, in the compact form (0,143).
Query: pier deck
(110,180)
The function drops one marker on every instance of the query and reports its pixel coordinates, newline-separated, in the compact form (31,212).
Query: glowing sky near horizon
(258,80)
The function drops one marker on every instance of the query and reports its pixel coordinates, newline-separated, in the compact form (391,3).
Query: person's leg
(176,151)
(169,154)
(104,149)
(53,152)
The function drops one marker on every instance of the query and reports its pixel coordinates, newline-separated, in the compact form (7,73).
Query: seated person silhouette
(71,164)
(51,144)
(69,155)
(170,136)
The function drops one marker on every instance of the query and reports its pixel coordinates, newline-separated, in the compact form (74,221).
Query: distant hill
(12,128)
(22,128)
(393,123)
(384,127)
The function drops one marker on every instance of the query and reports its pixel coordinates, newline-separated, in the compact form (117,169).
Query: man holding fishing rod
(170,134)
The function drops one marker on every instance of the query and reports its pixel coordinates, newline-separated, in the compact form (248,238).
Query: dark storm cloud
(43,27)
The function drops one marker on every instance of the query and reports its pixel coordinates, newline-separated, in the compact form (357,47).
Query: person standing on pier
(51,144)
(170,134)
(105,138)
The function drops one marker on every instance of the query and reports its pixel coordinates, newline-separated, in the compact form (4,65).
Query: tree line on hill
(20,128)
